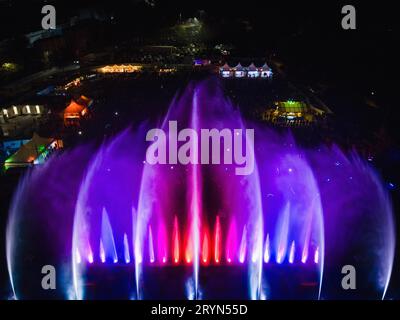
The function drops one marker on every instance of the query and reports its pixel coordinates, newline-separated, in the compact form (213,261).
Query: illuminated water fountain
(117,226)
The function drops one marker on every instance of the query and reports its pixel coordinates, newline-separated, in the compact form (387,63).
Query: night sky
(308,34)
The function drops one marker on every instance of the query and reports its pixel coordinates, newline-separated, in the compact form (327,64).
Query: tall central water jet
(195,198)
(162,224)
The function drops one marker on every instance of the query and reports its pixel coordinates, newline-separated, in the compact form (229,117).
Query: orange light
(205,247)
(176,240)
(188,253)
(217,249)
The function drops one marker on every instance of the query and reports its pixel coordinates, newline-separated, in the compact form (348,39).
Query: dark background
(305,36)
(307,33)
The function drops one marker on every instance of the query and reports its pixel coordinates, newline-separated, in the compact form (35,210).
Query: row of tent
(251,71)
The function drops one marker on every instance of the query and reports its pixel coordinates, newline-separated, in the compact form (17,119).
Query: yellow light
(120,69)
(9,66)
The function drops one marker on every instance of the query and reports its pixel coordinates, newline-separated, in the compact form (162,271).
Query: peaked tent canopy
(77,109)
(73,109)
(252,67)
(28,152)
(239,67)
(265,67)
(226,67)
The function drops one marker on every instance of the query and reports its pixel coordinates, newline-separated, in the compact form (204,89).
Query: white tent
(225,71)
(252,71)
(31,152)
(240,72)
(266,71)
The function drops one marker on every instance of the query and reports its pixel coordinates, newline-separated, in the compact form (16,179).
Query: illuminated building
(33,152)
(292,113)
(20,110)
(121,68)
(76,110)
(201,62)
(74,83)
(167,70)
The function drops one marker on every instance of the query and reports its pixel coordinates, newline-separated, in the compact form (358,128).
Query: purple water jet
(289,218)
